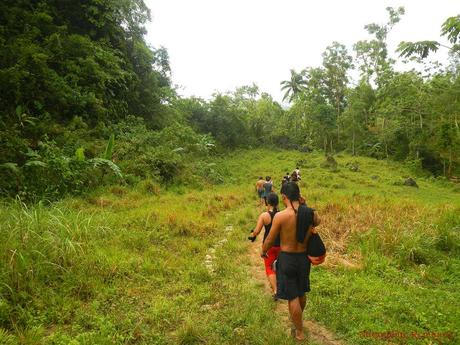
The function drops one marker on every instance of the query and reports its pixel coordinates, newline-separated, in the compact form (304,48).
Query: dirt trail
(315,332)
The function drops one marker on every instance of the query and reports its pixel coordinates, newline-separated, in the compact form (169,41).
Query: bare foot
(299,335)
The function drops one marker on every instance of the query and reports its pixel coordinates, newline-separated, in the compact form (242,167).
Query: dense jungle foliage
(86,101)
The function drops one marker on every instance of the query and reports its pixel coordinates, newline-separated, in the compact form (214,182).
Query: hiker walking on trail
(260,189)
(294,225)
(286,179)
(268,188)
(265,220)
(297,172)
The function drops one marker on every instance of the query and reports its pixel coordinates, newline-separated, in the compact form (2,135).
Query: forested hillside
(85,102)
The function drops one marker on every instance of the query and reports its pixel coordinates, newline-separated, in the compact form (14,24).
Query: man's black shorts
(292,275)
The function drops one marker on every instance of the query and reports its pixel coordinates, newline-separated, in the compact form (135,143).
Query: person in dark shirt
(265,221)
(287,177)
(268,188)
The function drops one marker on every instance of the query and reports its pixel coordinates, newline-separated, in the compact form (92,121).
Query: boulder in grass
(305,149)
(330,163)
(410,182)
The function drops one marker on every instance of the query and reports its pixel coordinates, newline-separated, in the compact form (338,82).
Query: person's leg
(303,301)
(295,310)
(272,281)
(272,254)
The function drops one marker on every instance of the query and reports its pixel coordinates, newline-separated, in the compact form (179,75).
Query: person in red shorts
(265,220)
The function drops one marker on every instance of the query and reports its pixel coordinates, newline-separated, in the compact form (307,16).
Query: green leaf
(80,154)
(35,164)
(451,28)
(109,149)
(102,162)
(421,48)
(19,111)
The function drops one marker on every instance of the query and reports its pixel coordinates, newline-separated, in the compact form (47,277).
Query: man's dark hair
(261,178)
(304,214)
(291,190)
(272,199)
(267,178)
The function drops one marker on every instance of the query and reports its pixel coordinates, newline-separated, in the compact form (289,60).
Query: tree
(372,55)
(450,28)
(355,120)
(336,63)
(293,87)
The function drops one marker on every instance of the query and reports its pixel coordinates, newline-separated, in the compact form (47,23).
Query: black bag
(316,250)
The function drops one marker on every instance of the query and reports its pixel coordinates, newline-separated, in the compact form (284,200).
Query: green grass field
(127,266)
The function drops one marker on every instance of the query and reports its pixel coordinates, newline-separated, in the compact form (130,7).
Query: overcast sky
(218,45)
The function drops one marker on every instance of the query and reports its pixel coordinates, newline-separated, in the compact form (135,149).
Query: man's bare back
(285,224)
(260,184)
(293,266)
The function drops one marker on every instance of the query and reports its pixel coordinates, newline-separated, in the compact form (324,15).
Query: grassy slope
(126,267)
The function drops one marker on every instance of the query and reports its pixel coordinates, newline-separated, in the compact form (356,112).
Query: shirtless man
(294,225)
(260,189)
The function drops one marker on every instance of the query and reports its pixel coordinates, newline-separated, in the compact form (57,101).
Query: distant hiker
(284,180)
(268,188)
(297,171)
(287,177)
(294,225)
(265,220)
(294,177)
(260,189)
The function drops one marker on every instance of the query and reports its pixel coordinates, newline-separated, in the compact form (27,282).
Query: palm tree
(293,86)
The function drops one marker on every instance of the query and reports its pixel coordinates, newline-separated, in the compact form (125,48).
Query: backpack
(316,250)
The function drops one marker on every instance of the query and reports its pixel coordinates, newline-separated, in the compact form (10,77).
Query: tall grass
(126,266)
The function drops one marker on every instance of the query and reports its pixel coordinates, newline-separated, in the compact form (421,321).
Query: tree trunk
(337,120)
(353,142)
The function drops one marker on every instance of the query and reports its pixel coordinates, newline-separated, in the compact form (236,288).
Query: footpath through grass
(127,266)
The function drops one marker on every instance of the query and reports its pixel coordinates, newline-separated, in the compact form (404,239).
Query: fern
(35,163)
(12,167)
(105,163)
